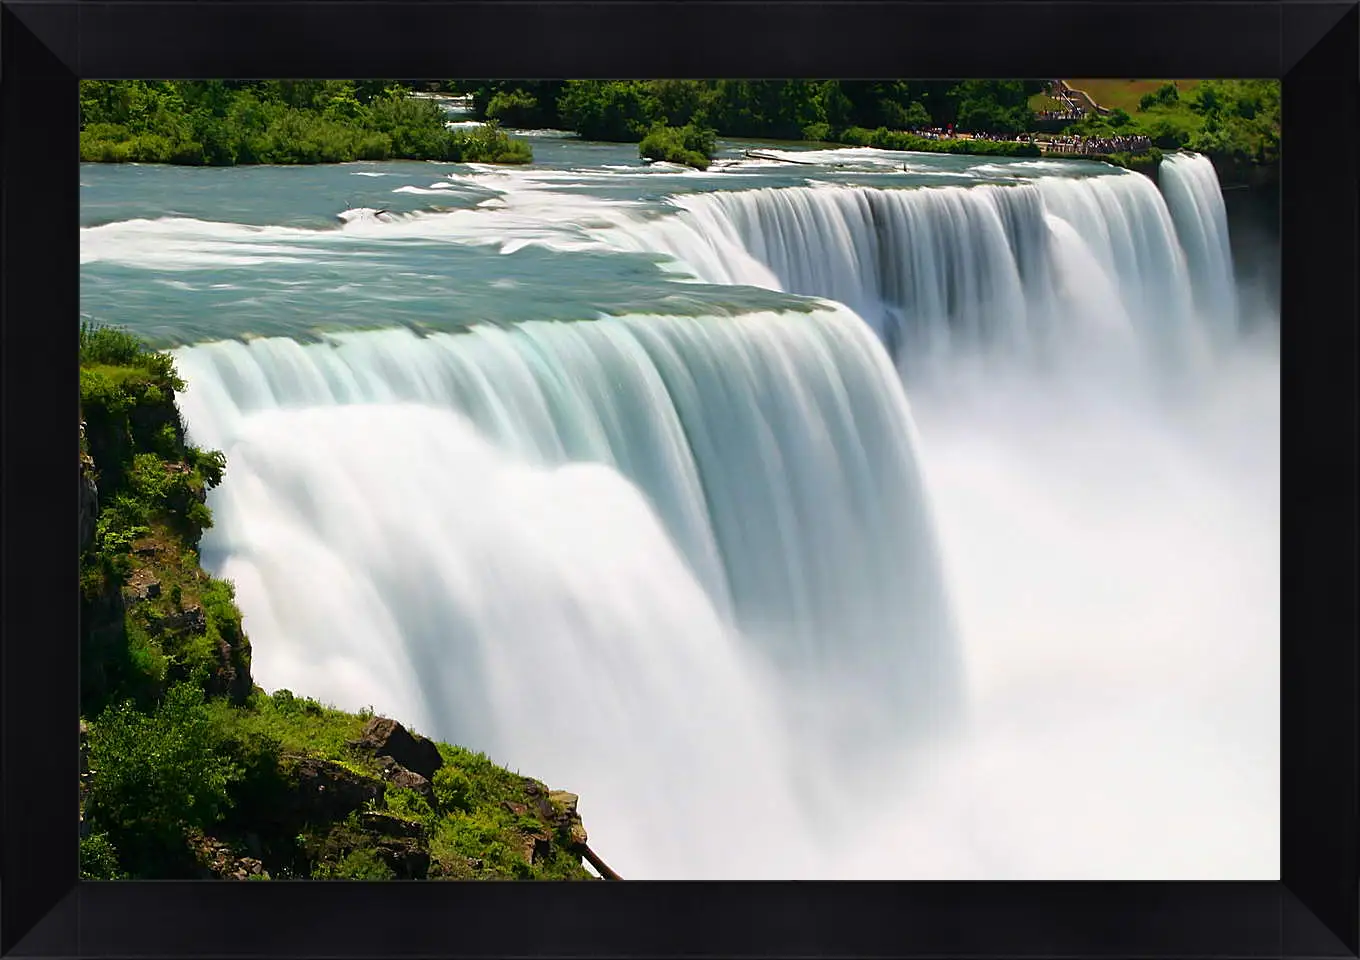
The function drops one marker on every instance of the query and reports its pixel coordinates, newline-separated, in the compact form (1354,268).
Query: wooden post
(600,866)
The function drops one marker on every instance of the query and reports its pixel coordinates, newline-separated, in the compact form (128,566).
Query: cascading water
(435,493)
(1012,271)
(1196,203)
(703,570)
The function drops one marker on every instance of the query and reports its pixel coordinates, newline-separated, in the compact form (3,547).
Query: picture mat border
(45,46)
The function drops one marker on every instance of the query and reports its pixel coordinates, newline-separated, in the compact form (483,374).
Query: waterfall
(1195,200)
(707,508)
(1040,270)
(703,571)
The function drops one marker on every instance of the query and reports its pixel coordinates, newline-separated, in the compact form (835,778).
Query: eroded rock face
(89,501)
(565,816)
(231,675)
(190,620)
(218,861)
(84,776)
(388,738)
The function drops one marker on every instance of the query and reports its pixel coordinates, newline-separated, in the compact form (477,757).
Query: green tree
(515,108)
(617,110)
(154,774)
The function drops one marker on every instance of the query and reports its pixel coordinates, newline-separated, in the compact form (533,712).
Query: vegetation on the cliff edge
(188,768)
(226,122)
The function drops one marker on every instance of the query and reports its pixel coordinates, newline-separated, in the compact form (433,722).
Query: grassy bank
(1235,123)
(901,140)
(222,123)
(1126,94)
(190,770)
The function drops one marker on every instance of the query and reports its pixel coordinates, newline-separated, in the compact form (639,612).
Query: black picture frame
(45,46)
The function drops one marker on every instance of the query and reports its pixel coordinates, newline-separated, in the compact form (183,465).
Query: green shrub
(406,803)
(1165,95)
(689,145)
(452,789)
(361,864)
(515,108)
(486,144)
(817,131)
(885,139)
(154,774)
(478,836)
(99,858)
(279,122)
(618,111)
(111,345)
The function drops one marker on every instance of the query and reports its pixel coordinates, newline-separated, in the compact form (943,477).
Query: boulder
(565,816)
(391,826)
(397,775)
(409,859)
(231,674)
(327,791)
(388,738)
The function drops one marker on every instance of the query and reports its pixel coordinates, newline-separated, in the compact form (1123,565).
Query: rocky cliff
(188,769)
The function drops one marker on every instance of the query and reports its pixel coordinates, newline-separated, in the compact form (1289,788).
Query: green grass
(1041,102)
(300,725)
(1125,94)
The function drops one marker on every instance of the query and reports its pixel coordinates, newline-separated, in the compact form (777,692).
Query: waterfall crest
(1012,272)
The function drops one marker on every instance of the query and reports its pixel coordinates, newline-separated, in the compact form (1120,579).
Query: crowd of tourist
(1090,145)
(1003,137)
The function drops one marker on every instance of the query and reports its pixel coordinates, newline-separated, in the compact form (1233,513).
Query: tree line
(627,110)
(225,122)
